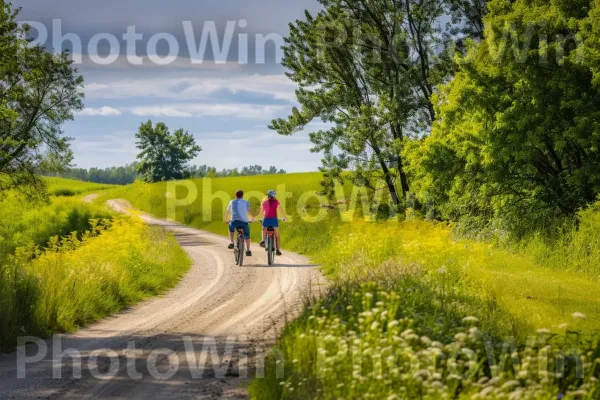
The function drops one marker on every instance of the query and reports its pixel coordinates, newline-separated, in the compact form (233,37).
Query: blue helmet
(271,194)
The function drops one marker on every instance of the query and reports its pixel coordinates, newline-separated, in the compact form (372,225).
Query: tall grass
(532,296)
(22,223)
(77,281)
(576,247)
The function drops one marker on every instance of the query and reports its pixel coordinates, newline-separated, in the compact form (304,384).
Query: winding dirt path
(203,339)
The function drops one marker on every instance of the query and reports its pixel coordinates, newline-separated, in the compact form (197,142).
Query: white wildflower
(510,384)
(471,319)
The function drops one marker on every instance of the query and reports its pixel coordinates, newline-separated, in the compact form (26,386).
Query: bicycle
(270,243)
(238,249)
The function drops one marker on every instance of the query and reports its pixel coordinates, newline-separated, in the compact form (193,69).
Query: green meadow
(68,187)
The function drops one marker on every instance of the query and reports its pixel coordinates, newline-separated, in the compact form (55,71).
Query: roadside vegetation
(66,263)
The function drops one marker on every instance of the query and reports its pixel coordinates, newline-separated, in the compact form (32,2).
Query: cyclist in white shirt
(239,210)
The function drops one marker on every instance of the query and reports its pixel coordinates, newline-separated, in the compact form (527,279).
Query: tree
(369,68)
(467,16)
(39,91)
(164,155)
(519,133)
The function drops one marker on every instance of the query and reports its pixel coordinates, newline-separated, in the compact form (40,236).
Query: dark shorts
(240,224)
(274,222)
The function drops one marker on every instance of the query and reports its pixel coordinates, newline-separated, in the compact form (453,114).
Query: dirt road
(199,340)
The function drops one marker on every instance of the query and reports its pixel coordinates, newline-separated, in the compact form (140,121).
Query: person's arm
(228,212)
(250,213)
(282,211)
(260,210)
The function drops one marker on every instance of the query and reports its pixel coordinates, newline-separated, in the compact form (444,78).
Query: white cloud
(278,87)
(161,111)
(180,63)
(187,110)
(101,112)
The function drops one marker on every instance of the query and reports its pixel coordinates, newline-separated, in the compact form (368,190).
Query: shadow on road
(182,366)
(253,265)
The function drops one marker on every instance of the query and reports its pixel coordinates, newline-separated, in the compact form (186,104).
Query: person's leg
(264,235)
(277,239)
(247,237)
(231,229)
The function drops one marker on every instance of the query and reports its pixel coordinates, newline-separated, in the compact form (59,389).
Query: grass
(531,296)
(68,187)
(65,264)
(430,282)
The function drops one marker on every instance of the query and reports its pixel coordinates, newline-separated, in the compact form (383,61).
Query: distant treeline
(125,175)
(114,175)
(204,170)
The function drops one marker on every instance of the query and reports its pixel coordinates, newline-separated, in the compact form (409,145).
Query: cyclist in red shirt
(269,207)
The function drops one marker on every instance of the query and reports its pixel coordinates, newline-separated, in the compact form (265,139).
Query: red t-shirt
(270,208)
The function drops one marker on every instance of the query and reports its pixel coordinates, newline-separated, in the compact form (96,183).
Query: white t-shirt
(239,210)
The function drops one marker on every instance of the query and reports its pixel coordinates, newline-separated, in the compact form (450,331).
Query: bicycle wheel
(270,249)
(236,252)
(240,260)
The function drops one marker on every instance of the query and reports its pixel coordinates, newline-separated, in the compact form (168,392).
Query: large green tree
(519,130)
(39,91)
(164,155)
(369,69)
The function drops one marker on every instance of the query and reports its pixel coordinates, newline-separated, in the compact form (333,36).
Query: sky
(156,60)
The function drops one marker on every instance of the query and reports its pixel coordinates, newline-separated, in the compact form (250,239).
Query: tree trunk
(388,177)
(397,133)
(390,184)
(404,183)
